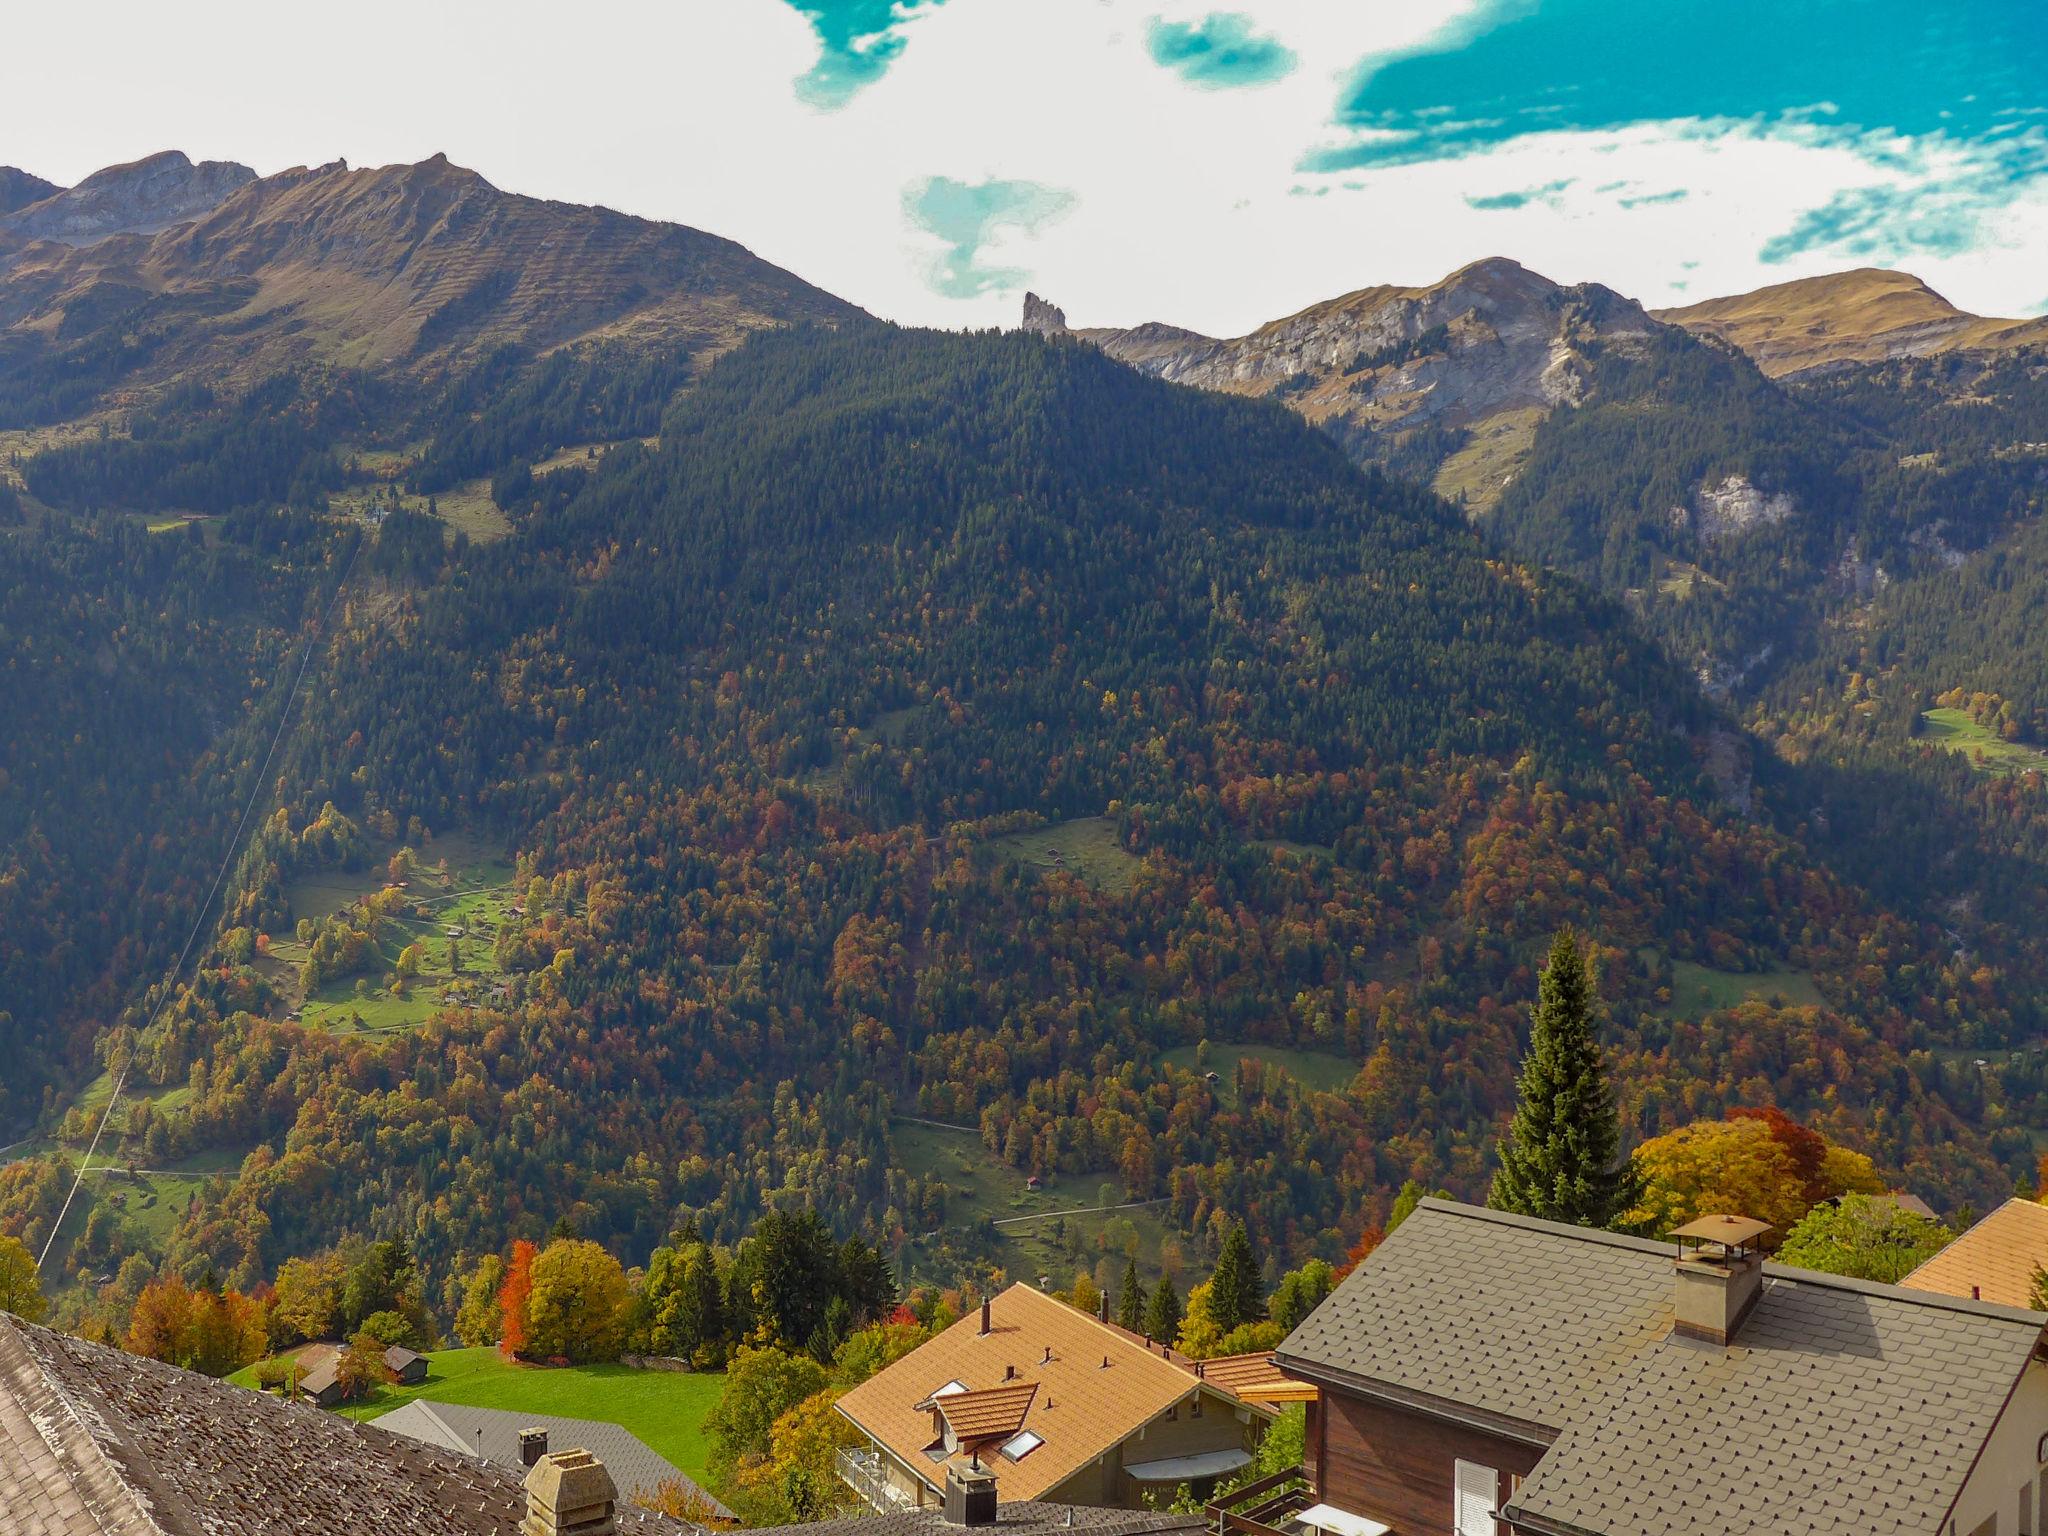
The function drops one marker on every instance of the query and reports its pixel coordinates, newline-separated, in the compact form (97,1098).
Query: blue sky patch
(966,216)
(1219,52)
(860,39)
(1536,66)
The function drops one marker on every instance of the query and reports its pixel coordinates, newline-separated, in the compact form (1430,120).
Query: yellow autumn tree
(1712,1167)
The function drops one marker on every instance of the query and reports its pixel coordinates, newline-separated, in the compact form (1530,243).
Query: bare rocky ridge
(18,189)
(404,268)
(1866,316)
(1490,338)
(135,199)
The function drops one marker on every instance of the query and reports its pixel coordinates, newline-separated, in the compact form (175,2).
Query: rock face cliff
(1866,316)
(1491,338)
(135,199)
(404,269)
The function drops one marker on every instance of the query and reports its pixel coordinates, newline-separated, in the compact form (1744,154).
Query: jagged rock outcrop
(1043,319)
(18,189)
(1865,316)
(1730,509)
(401,268)
(136,199)
(1491,337)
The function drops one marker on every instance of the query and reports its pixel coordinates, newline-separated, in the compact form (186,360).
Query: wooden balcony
(1264,1508)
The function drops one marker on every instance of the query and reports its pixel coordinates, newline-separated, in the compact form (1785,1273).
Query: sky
(1210,165)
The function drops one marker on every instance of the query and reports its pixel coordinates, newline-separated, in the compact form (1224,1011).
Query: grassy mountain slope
(405,271)
(1865,316)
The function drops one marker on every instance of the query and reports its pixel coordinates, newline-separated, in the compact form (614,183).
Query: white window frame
(1469,1472)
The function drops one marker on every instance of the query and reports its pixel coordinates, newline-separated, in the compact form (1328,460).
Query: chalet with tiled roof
(1051,1404)
(1490,1375)
(1994,1261)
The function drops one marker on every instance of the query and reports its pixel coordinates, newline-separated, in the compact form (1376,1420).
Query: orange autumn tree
(514,1299)
(1744,1165)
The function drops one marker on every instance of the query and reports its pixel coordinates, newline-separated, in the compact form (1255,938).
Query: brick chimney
(570,1494)
(1720,1276)
(533,1444)
(987,1327)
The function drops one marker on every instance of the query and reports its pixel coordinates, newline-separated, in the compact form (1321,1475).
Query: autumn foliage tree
(514,1297)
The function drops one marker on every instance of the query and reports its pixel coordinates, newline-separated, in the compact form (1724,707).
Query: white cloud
(1187,203)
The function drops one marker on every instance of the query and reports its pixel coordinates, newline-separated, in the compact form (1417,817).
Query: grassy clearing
(1989,752)
(1087,848)
(1699,989)
(584,453)
(1063,1237)
(1477,473)
(1682,579)
(1312,1069)
(151,1201)
(467,888)
(664,1408)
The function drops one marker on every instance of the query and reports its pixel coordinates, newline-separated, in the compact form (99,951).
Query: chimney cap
(1731,1232)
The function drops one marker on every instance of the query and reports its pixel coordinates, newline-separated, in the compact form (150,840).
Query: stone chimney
(1720,1275)
(533,1444)
(970,1494)
(570,1494)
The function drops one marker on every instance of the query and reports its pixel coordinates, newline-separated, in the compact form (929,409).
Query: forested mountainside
(956,726)
(1748,521)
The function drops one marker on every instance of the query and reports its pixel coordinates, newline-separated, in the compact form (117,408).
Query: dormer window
(950,1388)
(1021,1444)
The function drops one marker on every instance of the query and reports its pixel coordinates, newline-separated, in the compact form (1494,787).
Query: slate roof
(1025,1517)
(1997,1256)
(1082,1406)
(1839,1407)
(94,1442)
(493,1434)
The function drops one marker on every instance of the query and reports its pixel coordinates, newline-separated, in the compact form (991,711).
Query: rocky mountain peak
(138,198)
(18,189)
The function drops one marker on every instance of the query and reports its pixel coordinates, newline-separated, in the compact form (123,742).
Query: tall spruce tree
(1162,1312)
(1130,1301)
(1236,1295)
(1561,1158)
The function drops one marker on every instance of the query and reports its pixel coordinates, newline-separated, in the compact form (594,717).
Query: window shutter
(1478,1491)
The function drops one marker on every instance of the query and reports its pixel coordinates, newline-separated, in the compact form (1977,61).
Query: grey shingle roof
(1840,1406)
(493,1434)
(1024,1517)
(94,1442)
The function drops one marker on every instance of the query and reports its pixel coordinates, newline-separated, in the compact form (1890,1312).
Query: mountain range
(167,270)
(703,737)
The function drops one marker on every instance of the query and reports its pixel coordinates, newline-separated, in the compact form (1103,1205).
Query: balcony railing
(863,1472)
(1264,1508)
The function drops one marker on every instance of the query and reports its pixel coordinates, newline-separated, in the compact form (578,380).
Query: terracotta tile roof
(1997,1256)
(986,1414)
(94,1442)
(1840,1408)
(1233,1373)
(1097,1386)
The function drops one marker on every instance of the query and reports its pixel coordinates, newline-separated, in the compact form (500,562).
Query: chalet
(1036,1400)
(407,1368)
(1994,1261)
(1484,1374)
(321,1385)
